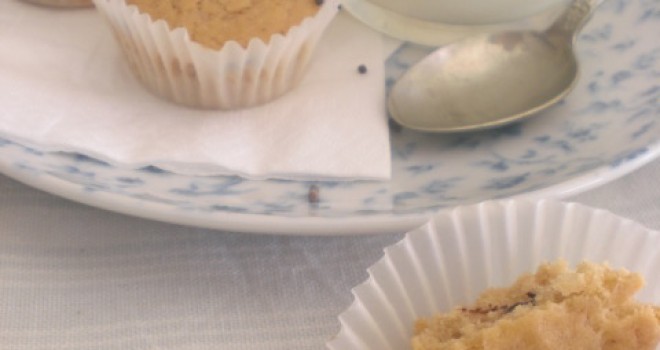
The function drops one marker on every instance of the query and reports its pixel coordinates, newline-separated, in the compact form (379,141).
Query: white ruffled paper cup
(173,66)
(459,253)
(62,3)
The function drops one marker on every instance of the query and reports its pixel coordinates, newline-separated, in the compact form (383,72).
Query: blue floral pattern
(608,123)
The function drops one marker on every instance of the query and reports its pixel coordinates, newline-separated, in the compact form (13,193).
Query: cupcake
(589,308)
(62,3)
(218,54)
(466,280)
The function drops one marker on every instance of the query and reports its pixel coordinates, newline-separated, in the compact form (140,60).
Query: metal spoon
(491,80)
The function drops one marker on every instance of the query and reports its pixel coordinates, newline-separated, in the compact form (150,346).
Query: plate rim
(307,225)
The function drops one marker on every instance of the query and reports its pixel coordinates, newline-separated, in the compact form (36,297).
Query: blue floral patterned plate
(606,128)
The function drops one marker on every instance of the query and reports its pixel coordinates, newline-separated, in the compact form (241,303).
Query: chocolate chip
(319,2)
(362,69)
(512,307)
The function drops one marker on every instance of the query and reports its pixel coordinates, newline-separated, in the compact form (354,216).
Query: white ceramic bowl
(459,253)
(438,22)
(467,12)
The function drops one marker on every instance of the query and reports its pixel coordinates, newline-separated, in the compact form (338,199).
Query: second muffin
(221,54)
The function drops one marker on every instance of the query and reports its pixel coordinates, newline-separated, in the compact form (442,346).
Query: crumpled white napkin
(64,85)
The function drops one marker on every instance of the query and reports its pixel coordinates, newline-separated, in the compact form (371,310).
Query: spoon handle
(575,16)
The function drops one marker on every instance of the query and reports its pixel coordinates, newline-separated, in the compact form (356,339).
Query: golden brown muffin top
(214,22)
(556,308)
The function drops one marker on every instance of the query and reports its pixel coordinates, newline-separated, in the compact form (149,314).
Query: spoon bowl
(491,80)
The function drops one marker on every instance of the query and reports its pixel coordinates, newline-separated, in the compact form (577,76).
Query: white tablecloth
(75,277)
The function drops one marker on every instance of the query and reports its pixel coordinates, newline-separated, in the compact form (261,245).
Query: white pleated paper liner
(62,3)
(461,252)
(173,66)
